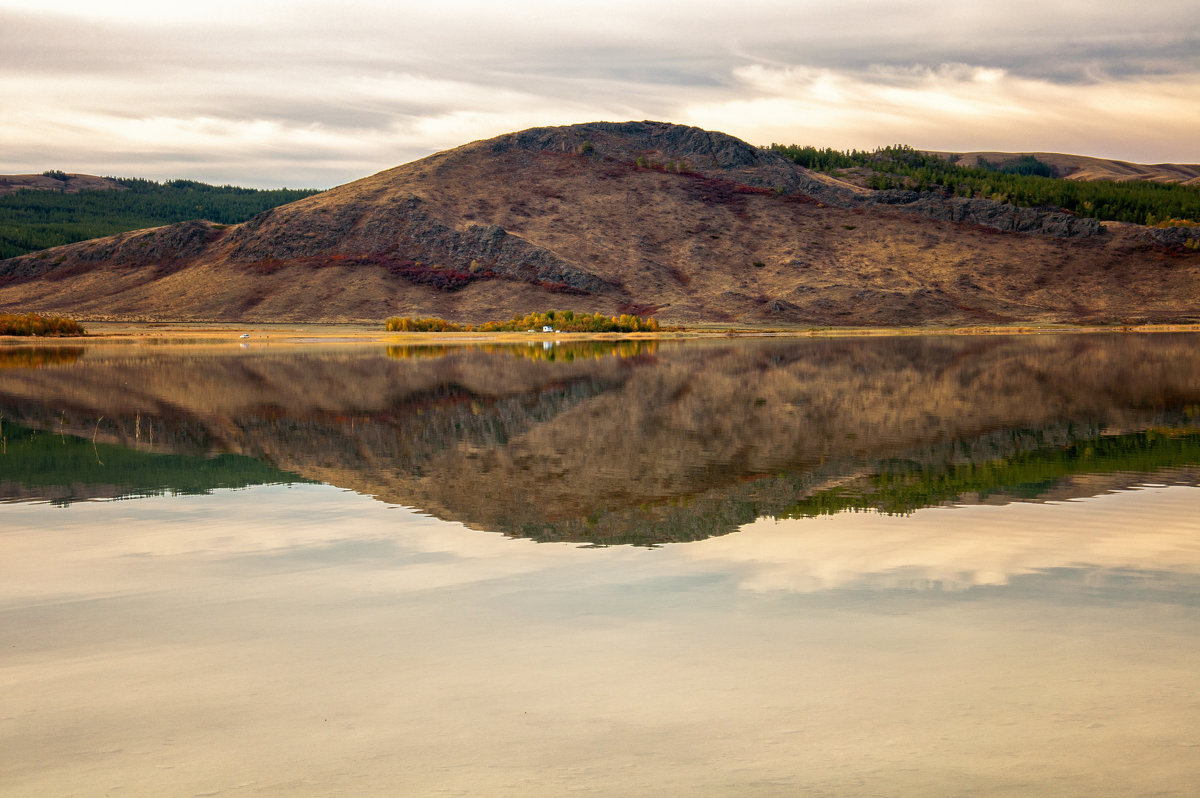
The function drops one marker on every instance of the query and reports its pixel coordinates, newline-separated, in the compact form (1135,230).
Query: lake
(894,566)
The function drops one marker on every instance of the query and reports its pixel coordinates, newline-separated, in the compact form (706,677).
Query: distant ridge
(58,181)
(1083,167)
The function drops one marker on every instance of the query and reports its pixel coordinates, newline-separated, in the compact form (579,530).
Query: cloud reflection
(110,548)
(302,532)
(1149,529)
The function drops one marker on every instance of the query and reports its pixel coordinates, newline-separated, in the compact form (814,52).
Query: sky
(307,94)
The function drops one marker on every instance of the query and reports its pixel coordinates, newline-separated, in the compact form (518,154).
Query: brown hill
(644,217)
(1083,167)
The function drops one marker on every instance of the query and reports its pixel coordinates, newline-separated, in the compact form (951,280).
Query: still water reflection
(307,594)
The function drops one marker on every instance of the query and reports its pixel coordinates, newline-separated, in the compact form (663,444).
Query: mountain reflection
(626,442)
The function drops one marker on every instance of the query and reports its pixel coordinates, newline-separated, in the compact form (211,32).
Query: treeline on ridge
(33,219)
(1025,182)
(558,320)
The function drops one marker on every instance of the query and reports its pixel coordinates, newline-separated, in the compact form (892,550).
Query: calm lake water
(931,566)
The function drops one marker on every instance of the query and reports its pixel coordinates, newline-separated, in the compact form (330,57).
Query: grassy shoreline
(232,332)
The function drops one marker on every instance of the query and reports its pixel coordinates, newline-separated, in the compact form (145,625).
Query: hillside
(1022,180)
(640,217)
(54,208)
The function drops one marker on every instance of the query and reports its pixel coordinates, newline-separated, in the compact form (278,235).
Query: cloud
(265,93)
(959,107)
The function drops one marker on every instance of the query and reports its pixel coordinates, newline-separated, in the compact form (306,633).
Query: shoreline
(302,333)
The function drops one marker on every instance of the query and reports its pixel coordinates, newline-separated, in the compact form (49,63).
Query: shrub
(560,320)
(397,324)
(33,324)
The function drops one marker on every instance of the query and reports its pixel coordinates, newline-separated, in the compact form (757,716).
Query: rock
(986,213)
(1174,236)
(403,231)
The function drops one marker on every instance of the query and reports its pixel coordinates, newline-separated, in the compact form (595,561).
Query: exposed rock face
(718,154)
(988,213)
(168,243)
(1177,237)
(679,146)
(704,150)
(401,231)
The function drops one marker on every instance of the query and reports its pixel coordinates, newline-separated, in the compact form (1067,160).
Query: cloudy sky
(312,94)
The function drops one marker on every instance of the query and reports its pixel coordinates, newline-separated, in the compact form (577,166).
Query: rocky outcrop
(987,213)
(711,153)
(402,231)
(493,249)
(173,242)
(161,247)
(702,149)
(722,156)
(1175,237)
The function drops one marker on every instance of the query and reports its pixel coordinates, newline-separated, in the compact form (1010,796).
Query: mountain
(638,217)
(1082,167)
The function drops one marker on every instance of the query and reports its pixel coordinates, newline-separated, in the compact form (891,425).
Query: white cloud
(265,93)
(960,107)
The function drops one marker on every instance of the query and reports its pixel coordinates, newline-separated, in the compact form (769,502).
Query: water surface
(916,566)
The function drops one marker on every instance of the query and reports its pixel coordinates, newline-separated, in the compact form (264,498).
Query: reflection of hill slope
(60,468)
(903,487)
(723,427)
(686,443)
(346,420)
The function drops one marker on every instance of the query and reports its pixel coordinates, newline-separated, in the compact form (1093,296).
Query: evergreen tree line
(1026,182)
(33,219)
